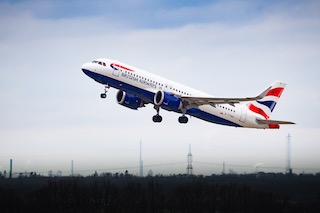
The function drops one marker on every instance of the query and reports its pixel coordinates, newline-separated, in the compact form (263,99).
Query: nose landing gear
(106,89)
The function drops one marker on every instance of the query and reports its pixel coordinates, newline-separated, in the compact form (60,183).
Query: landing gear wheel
(183,119)
(157,118)
(106,89)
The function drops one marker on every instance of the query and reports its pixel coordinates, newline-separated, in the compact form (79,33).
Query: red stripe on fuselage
(122,67)
(255,109)
(275,92)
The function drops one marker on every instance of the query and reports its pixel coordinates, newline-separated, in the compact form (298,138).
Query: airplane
(138,88)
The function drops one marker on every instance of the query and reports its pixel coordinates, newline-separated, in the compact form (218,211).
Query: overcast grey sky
(51,113)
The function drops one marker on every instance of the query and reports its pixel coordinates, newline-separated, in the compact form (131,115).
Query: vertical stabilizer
(266,105)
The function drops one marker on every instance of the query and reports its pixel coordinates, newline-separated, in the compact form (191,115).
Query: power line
(183,163)
(250,166)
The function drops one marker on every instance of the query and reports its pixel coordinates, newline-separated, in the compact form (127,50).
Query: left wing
(197,101)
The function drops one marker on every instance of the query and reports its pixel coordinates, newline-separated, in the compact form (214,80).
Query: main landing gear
(157,118)
(183,119)
(106,89)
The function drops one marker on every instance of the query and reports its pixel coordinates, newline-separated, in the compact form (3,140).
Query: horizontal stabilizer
(261,121)
(218,100)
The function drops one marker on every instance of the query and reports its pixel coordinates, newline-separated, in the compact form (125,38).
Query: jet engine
(167,101)
(129,100)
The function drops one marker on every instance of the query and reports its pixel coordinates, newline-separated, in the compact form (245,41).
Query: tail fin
(266,105)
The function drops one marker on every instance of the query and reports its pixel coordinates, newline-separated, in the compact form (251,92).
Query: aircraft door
(243,116)
(116,72)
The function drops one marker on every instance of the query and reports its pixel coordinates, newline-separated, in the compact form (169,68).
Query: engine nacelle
(167,101)
(129,100)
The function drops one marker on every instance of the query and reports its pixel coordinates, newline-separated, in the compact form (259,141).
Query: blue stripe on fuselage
(148,98)
(210,117)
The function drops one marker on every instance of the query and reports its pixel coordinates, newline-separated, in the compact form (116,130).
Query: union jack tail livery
(266,105)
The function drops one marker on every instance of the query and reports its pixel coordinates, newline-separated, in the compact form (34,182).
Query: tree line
(176,193)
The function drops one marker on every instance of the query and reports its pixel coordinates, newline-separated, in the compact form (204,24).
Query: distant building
(141,162)
(10,174)
(288,160)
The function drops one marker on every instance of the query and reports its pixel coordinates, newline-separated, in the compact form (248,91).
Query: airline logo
(266,106)
(117,67)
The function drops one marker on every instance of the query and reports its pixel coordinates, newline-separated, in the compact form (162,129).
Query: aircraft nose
(85,67)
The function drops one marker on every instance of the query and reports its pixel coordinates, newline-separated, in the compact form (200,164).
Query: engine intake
(129,100)
(167,101)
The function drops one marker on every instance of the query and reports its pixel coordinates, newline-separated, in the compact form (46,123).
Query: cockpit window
(99,62)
